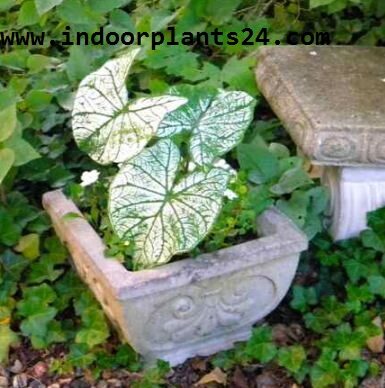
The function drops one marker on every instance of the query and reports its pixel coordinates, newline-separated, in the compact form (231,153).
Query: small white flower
(230,194)
(191,166)
(383,79)
(221,163)
(89,177)
(313,53)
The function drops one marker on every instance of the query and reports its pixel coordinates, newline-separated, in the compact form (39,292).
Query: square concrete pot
(190,307)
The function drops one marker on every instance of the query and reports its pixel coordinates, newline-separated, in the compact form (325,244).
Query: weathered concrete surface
(354,192)
(330,99)
(190,307)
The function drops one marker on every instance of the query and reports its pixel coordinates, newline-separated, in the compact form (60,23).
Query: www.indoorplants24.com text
(246,37)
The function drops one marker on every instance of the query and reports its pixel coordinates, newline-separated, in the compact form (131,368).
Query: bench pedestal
(354,191)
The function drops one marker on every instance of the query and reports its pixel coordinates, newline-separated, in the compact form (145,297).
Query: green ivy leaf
(291,180)
(121,19)
(80,356)
(95,330)
(12,264)
(303,298)
(6,5)
(9,230)
(37,312)
(377,285)
(318,203)
(164,56)
(15,60)
(260,346)
(35,299)
(103,6)
(79,63)
(55,333)
(370,239)
(376,220)
(359,293)
(127,357)
(43,270)
(37,63)
(292,357)
(355,270)
(29,246)
(78,12)
(43,6)
(23,151)
(56,251)
(7,339)
(28,14)
(7,158)
(69,287)
(259,161)
(36,325)
(38,100)
(322,378)
(281,152)
(319,3)
(8,122)
(326,371)
(348,342)
(83,302)
(296,207)
(238,75)
(219,13)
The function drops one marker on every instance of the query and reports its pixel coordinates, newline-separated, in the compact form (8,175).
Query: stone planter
(190,307)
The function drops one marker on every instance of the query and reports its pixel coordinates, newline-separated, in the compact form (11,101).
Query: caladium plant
(165,197)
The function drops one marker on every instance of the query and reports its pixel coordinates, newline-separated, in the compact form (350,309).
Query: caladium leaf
(164,217)
(105,124)
(216,121)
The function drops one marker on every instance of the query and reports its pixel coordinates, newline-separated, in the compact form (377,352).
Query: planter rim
(279,237)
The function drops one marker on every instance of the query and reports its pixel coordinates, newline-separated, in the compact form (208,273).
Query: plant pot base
(191,307)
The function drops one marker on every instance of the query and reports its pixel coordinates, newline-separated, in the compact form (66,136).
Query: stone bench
(331,100)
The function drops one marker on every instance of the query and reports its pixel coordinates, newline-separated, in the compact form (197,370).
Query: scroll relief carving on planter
(202,309)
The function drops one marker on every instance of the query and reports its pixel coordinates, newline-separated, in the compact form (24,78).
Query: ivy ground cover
(327,333)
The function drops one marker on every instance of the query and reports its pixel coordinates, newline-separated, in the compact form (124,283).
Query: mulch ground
(29,368)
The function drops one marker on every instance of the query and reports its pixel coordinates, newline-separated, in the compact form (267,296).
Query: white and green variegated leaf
(161,216)
(105,124)
(216,121)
